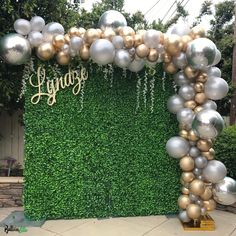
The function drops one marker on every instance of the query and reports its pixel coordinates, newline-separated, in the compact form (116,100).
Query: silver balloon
(181,29)
(217,57)
(122,58)
(111,19)
(200,177)
(201,53)
(151,38)
(194,152)
(65,48)
(200,162)
(73,52)
(193,197)
(136,65)
(175,103)
(22,26)
(118,42)
(197,171)
(102,51)
(209,104)
(224,192)
(185,116)
(183,216)
(199,202)
(216,88)
(180,61)
(215,171)
(35,38)
(213,72)
(37,23)
(15,49)
(51,29)
(132,51)
(180,78)
(208,123)
(187,92)
(203,211)
(76,43)
(177,147)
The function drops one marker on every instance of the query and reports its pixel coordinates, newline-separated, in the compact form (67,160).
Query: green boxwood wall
(104,161)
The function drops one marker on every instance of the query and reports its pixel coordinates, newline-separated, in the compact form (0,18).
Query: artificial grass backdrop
(104,161)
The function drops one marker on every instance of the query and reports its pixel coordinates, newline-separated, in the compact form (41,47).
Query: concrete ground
(126,226)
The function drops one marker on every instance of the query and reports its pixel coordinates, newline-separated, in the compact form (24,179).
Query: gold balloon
(84,52)
(167,58)
(185,40)
(183,133)
(142,50)
(99,32)
(200,98)
(186,163)
(183,201)
(58,41)
(126,31)
(187,177)
(67,38)
(190,104)
(153,55)
(197,32)
(170,68)
(138,39)
(210,205)
(199,87)
(173,44)
(202,78)
(192,136)
(162,38)
(45,51)
(197,187)
(204,145)
(91,35)
(128,41)
(207,194)
(193,211)
(210,155)
(190,73)
(74,31)
(197,109)
(185,190)
(82,31)
(141,32)
(63,58)
(108,34)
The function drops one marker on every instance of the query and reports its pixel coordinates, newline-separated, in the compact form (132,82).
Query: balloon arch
(186,53)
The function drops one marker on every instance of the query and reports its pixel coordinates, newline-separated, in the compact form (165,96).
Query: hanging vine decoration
(152,72)
(124,73)
(111,74)
(138,91)
(145,89)
(163,81)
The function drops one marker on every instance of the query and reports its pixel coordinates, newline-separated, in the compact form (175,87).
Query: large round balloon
(177,147)
(208,123)
(52,29)
(216,88)
(122,58)
(102,51)
(15,49)
(215,171)
(224,192)
(175,103)
(111,19)
(201,53)
(213,72)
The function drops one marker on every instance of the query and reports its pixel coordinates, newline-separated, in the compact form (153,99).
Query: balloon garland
(186,53)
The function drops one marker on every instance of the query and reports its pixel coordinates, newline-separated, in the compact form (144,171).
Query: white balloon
(136,65)
(22,26)
(181,29)
(187,92)
(118,42)
(175,103)
(52,29)
(152,38)
(76,43)
(180,78)
(35,38)
(213,72)
(122,58)
(37,23)
(217,57)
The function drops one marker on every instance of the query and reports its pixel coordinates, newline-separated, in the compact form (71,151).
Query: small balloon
(76,43)
(35,38)
(175,103)
(22,26)
(217,57)
(180,61)
(118,42)
(181,29)
(180,78)
(52,29)
(136,65)
(45,51)
(200,162)
(122,58)
(185,116)
(183,216)
(152,38)
(37,23)
(213,72)
(194,152)
(187,92)
(209,104)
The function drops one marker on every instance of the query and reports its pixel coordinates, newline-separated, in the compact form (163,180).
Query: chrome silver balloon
(194,152)
(183,216)
(213,72)
(118,42)
(193,197)
(197,171)
(175,103)
(201,53)
(76,43)
(181,29)
(35,38)
(65,48)
(187,92)
(111,19)
(51,29)
(199,202)
(209,104)
(217,57)
(122,58)
(136,65)
(185,116)
(215,171)
(181,79)
(180,61)
(224,192)
(102,51)
(37,23)
(200,162)
(22,26)
(208,123)
(15,49)
(203,211)
(177,147)
(216,88)
(151,38)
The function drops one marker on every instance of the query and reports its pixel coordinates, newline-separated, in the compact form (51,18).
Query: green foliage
(106,160)
(225,147)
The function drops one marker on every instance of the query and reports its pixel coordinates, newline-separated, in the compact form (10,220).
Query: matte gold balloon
(185,190)
(210,205)
(126,31)
(74,31)
(67,38)
(170,68)
(193,211)
(202,78)
(162,38)
(138,39)
(142,50)
(190,104)
(183,133)
(197,32)
(58,41)
(186,163)
(185,40)
(192,136)
(63,58)
(197,187)
(99,32)
(183,201)
(167,58)
(199,87)
(200,98)
(84,52)
(204,145)
(108,34)
(141,32)
(197,109)
(153,55)
(45,51)
(210,155)
(82,31)
(187,176)
(190,73)
(128,41)
(173,44)
(91,35)
(207,194)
